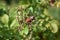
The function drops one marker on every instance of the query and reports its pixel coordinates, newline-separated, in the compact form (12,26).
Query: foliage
(13,16)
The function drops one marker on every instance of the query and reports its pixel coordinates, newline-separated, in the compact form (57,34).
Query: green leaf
(14,23)
(5,19)
(1,12)
(26,30)
(13,12)
(34,29)
(31,9)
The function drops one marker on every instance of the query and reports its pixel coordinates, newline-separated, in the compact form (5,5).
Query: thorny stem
(18,18)
(21,24)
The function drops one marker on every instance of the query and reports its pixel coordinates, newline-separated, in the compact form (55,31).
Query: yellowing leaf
(54,27)
(46,12)
(47,25)
(57,4)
